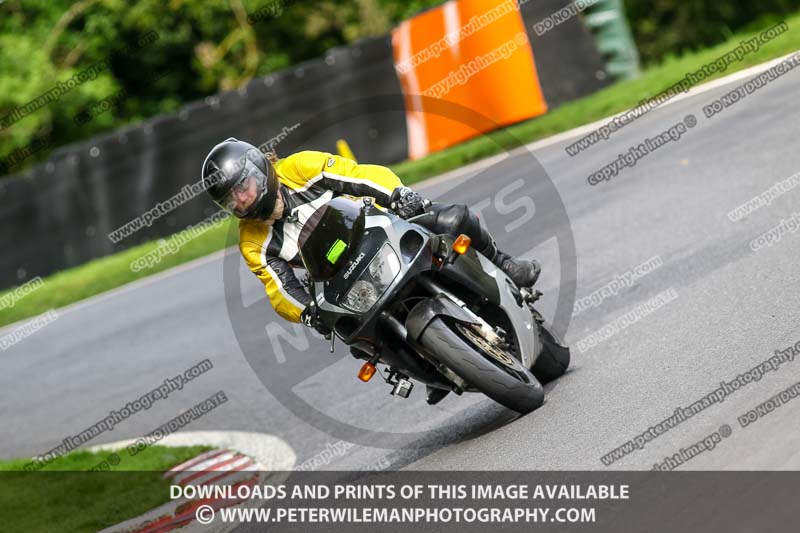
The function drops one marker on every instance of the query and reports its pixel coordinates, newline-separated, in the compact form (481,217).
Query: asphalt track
(734,307)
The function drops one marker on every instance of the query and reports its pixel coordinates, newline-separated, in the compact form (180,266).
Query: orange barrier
(474,53)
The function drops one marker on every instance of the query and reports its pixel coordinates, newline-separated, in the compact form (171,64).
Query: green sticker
(336,251)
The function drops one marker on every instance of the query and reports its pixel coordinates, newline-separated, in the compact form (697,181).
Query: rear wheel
(554,360)
(488,368)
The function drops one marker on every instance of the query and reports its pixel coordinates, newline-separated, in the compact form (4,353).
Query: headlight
(372,283)
(361,296)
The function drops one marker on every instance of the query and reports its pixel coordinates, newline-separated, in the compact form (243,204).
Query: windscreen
(329,236)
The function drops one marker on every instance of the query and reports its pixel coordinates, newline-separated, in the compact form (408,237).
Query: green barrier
(607,21)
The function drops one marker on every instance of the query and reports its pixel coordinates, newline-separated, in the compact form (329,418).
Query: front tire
(511,385)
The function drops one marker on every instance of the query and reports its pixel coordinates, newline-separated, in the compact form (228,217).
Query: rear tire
(515,388)
(554,360)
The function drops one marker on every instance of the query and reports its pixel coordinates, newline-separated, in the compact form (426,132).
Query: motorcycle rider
(273,202)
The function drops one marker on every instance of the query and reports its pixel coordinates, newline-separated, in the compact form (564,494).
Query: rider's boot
(523,272)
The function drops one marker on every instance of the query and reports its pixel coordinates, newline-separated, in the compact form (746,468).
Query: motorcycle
(428,307)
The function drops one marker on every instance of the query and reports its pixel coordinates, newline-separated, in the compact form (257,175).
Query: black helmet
(235,165)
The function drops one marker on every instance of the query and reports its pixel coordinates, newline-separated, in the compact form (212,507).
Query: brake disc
(499,355)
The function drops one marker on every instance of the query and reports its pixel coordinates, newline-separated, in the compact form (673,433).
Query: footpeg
(402,388)
(531,297)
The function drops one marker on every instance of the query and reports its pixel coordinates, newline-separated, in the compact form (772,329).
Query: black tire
(554,359)
(516,389)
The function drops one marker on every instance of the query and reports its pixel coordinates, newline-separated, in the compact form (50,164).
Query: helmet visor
(246,192)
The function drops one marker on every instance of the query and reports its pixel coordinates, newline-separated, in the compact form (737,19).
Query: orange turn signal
(367,371)
(461,245)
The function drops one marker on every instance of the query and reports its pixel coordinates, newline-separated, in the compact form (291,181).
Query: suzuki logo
(356,261)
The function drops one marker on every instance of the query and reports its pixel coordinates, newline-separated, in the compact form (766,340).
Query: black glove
(309,318)
(406,202)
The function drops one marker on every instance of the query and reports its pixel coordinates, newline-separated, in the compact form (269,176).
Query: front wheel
(488,368)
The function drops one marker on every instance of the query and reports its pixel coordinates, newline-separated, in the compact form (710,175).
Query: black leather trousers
(456,219)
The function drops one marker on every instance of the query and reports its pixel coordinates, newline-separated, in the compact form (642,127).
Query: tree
(202,48)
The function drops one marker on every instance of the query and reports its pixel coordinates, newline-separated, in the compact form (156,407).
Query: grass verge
(63,496)
(113,271)
(100,275)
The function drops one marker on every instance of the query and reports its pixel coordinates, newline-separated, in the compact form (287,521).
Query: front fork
(495,336)
(482,327)
(479,326)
